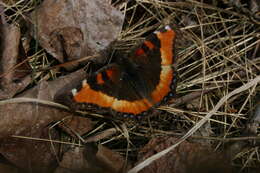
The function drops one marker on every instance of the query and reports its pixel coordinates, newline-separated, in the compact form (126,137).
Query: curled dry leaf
(71,29)
(102,135)
(111,160)
(10,46)
(187,157)
(91,159)
(12,80)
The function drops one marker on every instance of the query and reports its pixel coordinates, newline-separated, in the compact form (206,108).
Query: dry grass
(217,50)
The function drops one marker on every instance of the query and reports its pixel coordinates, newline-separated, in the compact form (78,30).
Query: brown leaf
(73,29)
(31,155)
(72,161)
(10,41)
(91,159)
(10,46)
(32,120)
(187,157)
(75,124)
(20,118)
(111,160)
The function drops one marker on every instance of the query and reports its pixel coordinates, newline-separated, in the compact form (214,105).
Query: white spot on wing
(74,91)
(167,27)
(84,82)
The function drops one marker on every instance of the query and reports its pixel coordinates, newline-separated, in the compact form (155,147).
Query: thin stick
(32,100)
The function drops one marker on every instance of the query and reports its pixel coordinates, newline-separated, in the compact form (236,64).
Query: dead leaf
(111,160)
(31,155)
(32,120)
(19,118)
(91,159)
(10,39)
(12,80)
(102,135)
(186,158)
(72,29)
(76,124)
(72,161)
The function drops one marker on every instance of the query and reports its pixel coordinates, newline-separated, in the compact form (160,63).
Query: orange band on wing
(135,107)
(90,96)
(163,88)
(139,52)
(87,95)
(167,41)
(110,73)
(149,44)
(100,79)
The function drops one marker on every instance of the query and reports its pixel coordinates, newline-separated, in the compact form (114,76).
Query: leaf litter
(217,53)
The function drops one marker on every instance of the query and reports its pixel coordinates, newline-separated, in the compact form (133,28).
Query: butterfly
(133,84)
